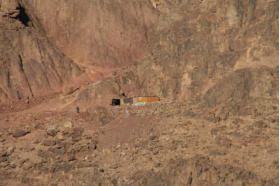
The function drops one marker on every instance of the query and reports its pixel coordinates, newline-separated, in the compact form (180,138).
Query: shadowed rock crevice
(22,70)
(22,16)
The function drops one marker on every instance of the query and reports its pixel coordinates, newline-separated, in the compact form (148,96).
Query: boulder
(52,131)
(49,142)
(19,133)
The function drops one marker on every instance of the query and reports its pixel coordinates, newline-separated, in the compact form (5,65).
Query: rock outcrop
(212,52)
(214,65)
(39,40)
(100,33)
(30,66)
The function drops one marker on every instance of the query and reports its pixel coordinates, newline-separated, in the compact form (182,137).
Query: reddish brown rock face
(213,64)
(40,39)
(100,33)
(31,66)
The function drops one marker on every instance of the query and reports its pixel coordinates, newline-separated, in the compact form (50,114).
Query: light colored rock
(52,130)
(10,150)
(68,124)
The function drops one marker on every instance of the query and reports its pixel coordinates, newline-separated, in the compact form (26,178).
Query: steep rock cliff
(101,33)
(29,64)
(207,51)
(44,45)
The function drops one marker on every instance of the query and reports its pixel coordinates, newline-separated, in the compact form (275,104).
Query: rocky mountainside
(99,33)
(31,66)
(48,40)
(216,53)
(214,65)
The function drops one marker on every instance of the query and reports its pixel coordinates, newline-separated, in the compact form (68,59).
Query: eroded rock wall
(209,51)
(199,44)
(30,66)
(41,38)
(101,33)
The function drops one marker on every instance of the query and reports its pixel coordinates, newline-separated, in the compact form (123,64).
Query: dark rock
(52,131)
(115,182)
(94,147)
(37,141)
(153,137)
(21,162)
(42,154)
(13,166)
(19,133)
(3,159)
(49,143)
(260,124)
(77,134)
(71,157)
(38,126)
(190,179)
(57,151)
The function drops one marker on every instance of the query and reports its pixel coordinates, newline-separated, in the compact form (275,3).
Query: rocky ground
(214,64)
(158,144)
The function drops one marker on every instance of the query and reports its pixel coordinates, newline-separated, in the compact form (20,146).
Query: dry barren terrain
(214,64)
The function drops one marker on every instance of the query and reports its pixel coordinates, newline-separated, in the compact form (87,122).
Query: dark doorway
(116,102)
